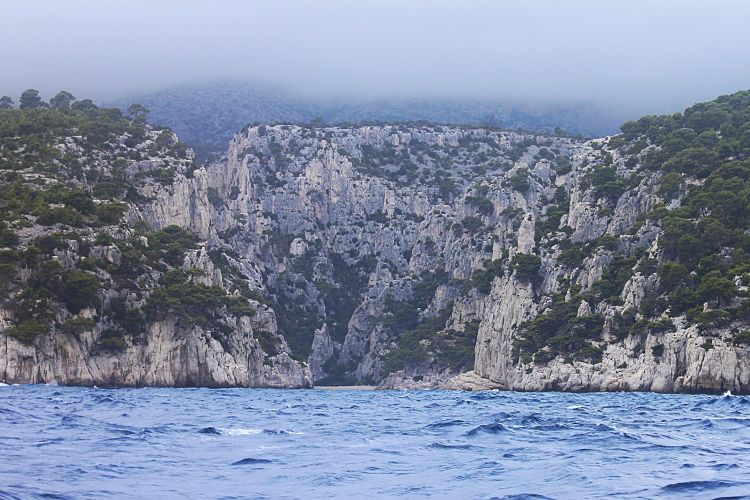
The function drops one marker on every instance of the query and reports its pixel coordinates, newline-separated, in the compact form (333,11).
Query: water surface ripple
(237,443)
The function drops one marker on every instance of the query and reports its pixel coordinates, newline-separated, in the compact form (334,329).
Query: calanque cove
(409,255)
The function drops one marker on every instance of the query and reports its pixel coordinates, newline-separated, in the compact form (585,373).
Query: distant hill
(206,115)
(576,118)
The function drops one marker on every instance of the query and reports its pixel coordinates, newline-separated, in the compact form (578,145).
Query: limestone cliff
(389,249)
(93,295)
(423,256)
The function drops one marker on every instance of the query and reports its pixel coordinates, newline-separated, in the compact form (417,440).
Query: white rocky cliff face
(368,211)
(411,256)
(170,355)
(163,308)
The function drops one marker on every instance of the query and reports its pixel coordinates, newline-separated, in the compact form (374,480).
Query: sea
(67,442)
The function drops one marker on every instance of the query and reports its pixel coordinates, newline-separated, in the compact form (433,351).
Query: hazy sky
(647,55)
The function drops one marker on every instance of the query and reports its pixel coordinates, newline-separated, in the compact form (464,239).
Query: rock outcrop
(168,355)
(93,295)
(413,257)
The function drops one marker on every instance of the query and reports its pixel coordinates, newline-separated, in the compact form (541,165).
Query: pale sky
(639,55)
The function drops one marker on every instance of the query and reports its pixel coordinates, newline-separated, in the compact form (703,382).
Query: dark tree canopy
(138,112)
(30,100)
(62,101)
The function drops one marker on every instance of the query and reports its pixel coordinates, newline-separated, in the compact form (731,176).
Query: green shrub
(481,279)
(60,215)
(559,332)
(605,183)
(110,213)
(165,176)
(132,320)
(80,201)
(411,350)
(76,326)
(48,243)
(178,297)
(550,223)
(520,181)
(563,165)
(8,272)
(472,224)
(268,342)
(661,325)
(572,256)
(109,189)
(712,318)
(27,331)
(526,266)
(79,290)
(672,275)
(8,238)
(482,204)
(112,341)
(612,282)
(610,243)
(742,338)
(457,350)
(623,323)
(238,306)
(671,183)
(717,288)
(169,244)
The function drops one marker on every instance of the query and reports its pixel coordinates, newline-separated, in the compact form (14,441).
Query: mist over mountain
(636,57)
(583,66)
(207,114)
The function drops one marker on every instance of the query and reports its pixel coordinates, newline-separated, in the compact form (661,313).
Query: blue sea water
(59,442)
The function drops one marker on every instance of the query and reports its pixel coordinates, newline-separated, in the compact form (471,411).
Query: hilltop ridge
(409,255)
(208,114)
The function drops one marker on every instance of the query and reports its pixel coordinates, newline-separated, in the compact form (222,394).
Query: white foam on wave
(3,384)
(240,431)
(727,394)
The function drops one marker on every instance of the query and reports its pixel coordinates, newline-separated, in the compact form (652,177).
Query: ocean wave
(184,442)
(443,446)
(252,461)
(233,431)
(701,486)
(210,430)
(281,432)
(445,423)
(526,496)
(494,428)
(241,431)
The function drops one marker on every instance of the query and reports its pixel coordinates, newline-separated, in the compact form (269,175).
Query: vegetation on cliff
(74,254)
(400,245)
(702,258)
